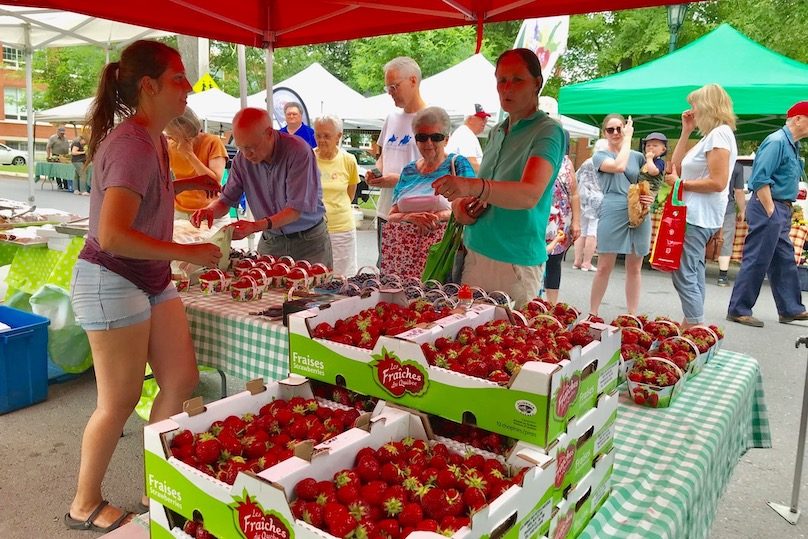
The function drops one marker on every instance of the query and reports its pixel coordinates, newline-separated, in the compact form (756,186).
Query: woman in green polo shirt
(506,247)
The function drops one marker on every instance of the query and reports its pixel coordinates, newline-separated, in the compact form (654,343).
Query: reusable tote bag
(441,257)
(666,253)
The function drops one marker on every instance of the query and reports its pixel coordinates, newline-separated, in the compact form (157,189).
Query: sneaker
(590,268)
(723,281)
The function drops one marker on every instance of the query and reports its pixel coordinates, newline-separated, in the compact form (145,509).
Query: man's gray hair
(329,119)
(433,116)
(290,104)
(405,67)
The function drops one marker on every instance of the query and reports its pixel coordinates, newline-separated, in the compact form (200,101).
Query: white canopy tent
(321,92)
(30,29)
(457,89)
(211,105)
(69,112)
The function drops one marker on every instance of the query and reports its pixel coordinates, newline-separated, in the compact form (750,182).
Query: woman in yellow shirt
(193,153)
(339,176)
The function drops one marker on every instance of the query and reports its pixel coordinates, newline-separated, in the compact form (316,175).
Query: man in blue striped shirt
(768,249)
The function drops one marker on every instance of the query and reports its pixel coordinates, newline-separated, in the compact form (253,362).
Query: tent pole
(29,110)
(270,59)
(242,74)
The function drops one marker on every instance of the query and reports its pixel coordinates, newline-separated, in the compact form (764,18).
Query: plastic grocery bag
(221,238)
(666,253)
(68,346)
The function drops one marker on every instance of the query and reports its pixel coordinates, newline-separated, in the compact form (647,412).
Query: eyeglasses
(434,137)
(393,87)
(613,130)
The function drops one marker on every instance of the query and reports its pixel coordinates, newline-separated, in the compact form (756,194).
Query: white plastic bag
(68,346)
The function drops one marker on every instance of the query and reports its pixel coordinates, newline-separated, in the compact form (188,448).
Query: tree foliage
(70,73)
(599,44)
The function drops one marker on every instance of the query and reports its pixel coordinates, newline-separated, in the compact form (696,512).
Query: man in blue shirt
(278,174)
(768,250)
(294,123)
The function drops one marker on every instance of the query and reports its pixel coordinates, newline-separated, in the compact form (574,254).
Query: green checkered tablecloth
(672,465)
(228,338)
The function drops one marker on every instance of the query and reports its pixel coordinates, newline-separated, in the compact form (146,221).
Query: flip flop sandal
(76,524)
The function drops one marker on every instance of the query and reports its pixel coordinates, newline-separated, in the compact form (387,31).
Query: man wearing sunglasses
(402,80)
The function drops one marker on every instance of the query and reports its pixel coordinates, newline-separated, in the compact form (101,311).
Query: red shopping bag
(666,253)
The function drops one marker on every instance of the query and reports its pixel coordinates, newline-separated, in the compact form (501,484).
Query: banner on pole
(547,37)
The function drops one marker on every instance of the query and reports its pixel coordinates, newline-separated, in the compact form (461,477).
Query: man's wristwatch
(269,223)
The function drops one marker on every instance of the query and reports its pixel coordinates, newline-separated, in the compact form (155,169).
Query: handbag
(666,253)
(441,256)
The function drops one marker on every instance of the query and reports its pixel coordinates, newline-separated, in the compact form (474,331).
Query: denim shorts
(103,300)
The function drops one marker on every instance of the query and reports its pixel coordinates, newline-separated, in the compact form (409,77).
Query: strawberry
(411,515)
(427,525)
(639,397)
(373,492)
(390,473)
(474,498)
(183,438)
(313,514)
(231,468)
(394,499)
(389,527)
(338,519)
(190,527)
(207,448)
(434,503)
(348,494)
(653,399)
(368,468)
(306,489)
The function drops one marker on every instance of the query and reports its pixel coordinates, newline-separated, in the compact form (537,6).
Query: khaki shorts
(521,283)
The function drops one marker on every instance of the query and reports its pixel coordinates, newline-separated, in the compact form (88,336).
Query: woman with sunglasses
(618,167)
(505,246)
(418,217)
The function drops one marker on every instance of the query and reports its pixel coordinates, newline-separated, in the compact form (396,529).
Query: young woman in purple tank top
(121,290)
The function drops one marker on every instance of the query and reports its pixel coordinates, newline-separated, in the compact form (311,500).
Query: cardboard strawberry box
(258,505)
(534,406)
(182,487)
(579,506)
(587,438)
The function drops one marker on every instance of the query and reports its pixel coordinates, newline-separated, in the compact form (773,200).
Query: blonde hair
(714,107)
(187,124)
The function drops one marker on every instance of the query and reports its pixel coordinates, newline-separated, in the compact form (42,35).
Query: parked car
(10,156)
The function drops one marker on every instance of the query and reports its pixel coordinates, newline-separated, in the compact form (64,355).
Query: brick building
(13,130)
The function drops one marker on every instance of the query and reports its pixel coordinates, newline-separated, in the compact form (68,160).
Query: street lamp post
(676,16)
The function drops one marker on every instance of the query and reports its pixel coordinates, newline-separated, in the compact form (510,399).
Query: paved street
(39,446)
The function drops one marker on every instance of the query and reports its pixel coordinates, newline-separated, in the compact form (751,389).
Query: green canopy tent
(762,84)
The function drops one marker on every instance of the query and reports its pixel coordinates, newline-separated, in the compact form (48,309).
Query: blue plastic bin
(23,359)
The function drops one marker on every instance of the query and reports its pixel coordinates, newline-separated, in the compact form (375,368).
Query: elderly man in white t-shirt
(464,140)
(402,80)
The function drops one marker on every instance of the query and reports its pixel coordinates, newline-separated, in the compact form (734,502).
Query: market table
(672,465)
(63,171)
(230,339)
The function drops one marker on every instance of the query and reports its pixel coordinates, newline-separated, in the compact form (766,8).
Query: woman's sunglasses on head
(434,137)
(613,130)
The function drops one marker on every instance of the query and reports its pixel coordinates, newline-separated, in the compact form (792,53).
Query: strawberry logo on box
(564,525)
(398,377)
(255,523)
(564,459)
(566,394)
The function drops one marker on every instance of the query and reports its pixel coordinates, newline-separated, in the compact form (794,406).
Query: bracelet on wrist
(482,188)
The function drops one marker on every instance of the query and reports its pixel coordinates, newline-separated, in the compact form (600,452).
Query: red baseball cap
(799,109)
(481,114)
